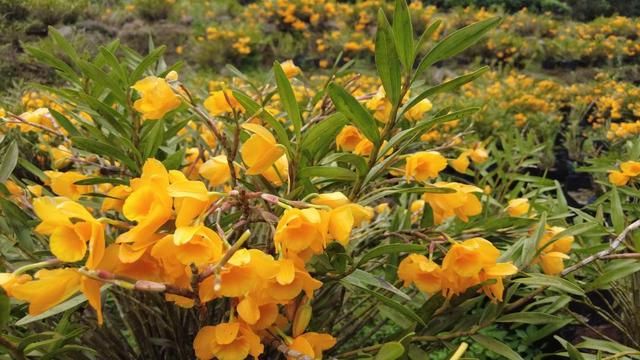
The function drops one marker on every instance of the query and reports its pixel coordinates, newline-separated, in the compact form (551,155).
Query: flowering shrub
(304,216)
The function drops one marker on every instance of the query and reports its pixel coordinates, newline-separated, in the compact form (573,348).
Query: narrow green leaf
(103,149)
(444,87)
(361,279)
(496,346)
(387,61)
(403,34)
(390,249)
(390,351)
(457,42)
(551,281)
(531,243)
(64,122)
(63,44)
(288,99)
(528,318)
(574,354)
(8,160)
(5,310)
(153,139)
(101,180)
(623,268)
(144,65)
(318,137)
(402,309)
(354,112)
(329,172)
(426,35)
(617,214)
(71,303)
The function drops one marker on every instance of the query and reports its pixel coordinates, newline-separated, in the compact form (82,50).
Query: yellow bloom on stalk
(70,227)
(48,289)
(471,262)
(419,270)
(312,344)
(156,98)
(60,156)
(478,153)
(216,170)
(260,151)
(227,341)
(191,198)
(424,165)
(290,69)
(344,215)
(9,280)
(628,170)
(380,105)
(554,253)
(149,204)
(461,163)
(518,207)
(190,245)
(63,184)
(115,198)
(222,102)
(461,203)
(300,230)
(417,112)
(348,138)
(278,174)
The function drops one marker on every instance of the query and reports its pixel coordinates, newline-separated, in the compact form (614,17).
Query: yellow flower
(460,164)
(302,229)
(554,253)
(156,98)
(290,69)
(630,168)
(48,289)
(417,112)
(552,263)
(227,341)
(424,165)
(618,178)
(518,207)
(115,198)
(62,183)
(260,151)
(278,174)
(479,154)
(312,344)
(343,216)
(461,203)
(419,270)
(222,102)
(149,204)
(190,245)
(216,170)
(348,138)
(68,239)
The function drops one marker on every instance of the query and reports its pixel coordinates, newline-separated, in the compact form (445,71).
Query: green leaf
(403,34)
(457,42)
(387,61)
(317,139)
(63,44)
(402,309)
(617,214)
(496,346)
(288,99)
(390,249)
(64,122)
(5,310)
(574,354)
(8,160)
(145,63)
(102,180)
(615,270)
(153,139)
(444,87)
(361,279)
(390,351)
(551,281)
(528,318)
(115,65)
(329,172)
(426,35)
(354,112)
(531,243)
(103,149)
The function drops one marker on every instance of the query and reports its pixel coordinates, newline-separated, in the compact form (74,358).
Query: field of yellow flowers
(317,179)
